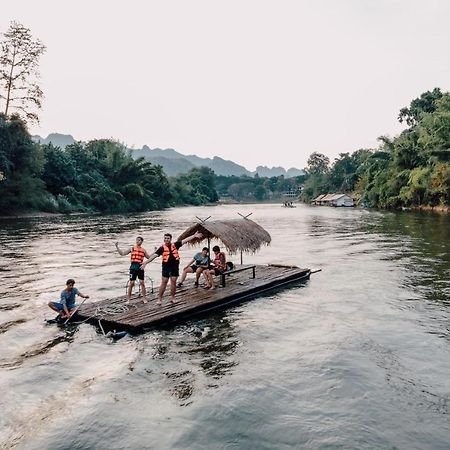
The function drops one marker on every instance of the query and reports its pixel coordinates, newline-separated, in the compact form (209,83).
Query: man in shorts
(67,300)
(170,263)
(137,257)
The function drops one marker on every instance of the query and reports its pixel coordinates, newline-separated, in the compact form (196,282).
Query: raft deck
(241,284)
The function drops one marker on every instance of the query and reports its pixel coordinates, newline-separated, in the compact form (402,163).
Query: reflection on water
(356,358)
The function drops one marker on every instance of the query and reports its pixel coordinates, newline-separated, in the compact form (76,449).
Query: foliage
(21,162)
(19,61)
(318,164)
(426,103)
(411,169)
(197,187)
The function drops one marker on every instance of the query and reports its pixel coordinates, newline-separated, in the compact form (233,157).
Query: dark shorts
(216,270)
(60,306)
(194,267)
(172,270)
(136,273)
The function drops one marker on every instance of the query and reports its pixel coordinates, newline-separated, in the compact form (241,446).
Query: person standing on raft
(137,258)
(170,263)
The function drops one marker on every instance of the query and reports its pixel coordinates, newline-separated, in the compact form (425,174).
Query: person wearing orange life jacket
(170,263)
(137,258)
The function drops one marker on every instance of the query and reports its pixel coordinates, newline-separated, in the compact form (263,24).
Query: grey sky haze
(258,82)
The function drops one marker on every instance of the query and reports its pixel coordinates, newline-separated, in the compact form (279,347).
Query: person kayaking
(137,257)
(170,263)
(67,300)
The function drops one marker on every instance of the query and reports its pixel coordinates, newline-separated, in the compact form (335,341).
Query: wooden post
(244,217)
(209,250)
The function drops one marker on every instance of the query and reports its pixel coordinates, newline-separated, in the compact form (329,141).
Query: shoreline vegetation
(410,171)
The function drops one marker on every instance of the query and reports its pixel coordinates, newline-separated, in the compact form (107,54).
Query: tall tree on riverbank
(19,63)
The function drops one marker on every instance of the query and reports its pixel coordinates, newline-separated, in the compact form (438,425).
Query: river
(358,357)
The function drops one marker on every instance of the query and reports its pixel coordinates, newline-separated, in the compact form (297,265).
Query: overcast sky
(258,82)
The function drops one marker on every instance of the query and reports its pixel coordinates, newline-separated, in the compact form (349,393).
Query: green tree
(318,164)
(426,103)
(260,193)
(19,62)
(21,162)
(434,130)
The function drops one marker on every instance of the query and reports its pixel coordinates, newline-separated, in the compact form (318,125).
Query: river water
(358,357)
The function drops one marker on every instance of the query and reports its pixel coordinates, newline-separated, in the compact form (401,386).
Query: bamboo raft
(240,285)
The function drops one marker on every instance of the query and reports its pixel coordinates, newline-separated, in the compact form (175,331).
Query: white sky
(258,82)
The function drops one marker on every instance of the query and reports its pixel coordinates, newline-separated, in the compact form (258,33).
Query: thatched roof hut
(242,235)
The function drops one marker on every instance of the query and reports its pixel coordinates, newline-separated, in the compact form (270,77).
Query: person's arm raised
(122,252)
(197,235)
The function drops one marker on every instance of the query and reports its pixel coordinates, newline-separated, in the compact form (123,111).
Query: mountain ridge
(175,163)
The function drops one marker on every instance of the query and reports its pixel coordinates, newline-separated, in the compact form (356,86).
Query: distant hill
(175,163)
(170,158)
(58,140)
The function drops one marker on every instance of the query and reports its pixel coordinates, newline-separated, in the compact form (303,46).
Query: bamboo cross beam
(203,220)
(245,217)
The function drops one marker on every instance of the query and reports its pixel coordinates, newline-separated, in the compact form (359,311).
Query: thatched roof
(236,234)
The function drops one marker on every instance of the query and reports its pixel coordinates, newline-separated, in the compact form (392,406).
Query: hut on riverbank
(333,200)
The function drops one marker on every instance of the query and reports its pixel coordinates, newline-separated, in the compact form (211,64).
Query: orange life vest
(167,251)
(137,255)
(218,261)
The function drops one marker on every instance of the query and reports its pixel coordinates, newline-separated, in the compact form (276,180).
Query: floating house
(333,200)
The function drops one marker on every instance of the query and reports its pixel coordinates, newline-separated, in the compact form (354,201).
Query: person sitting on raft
(197,265)
(67,301)
(219,265)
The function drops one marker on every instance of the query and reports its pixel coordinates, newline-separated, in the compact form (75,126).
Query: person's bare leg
(173,288)
(211,280)
(184,274)
(53,307)
(205,274)
(130,290)
(143,292)
(198,272)
(162,288)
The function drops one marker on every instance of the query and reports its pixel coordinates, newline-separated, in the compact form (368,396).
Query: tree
(318,164)
(426,103)
(19,62)
(21,162)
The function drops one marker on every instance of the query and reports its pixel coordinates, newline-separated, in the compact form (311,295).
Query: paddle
(74,311)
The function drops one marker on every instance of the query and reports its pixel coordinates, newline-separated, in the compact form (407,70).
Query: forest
(409,170)
(101,175)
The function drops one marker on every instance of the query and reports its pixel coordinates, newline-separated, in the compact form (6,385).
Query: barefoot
(144,300)
(172,300)
(159,302)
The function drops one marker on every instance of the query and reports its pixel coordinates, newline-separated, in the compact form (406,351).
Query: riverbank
(37,214)
(438,209)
